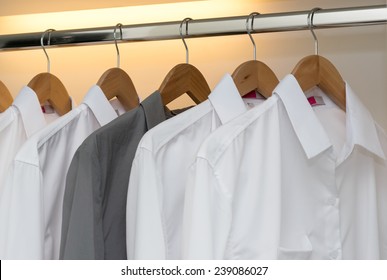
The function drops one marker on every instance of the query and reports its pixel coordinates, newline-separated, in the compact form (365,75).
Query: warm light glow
(136,58)
(22,7)
(125,15)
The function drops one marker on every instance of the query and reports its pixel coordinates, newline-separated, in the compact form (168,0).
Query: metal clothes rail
(275,22)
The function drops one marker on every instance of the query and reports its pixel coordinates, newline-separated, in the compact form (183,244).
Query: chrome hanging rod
(276,22)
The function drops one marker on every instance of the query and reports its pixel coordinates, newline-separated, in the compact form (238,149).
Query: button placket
(332,201)
(333,237)
(334,255)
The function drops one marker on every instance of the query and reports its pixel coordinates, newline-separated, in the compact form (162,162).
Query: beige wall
(360,54)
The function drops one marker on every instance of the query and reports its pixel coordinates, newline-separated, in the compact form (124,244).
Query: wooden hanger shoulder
(306,72)
(5,97)
(184,78)
(115,82)
(315,70)
(49,88)
(255,75)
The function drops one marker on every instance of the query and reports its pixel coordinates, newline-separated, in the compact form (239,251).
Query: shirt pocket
(301,250)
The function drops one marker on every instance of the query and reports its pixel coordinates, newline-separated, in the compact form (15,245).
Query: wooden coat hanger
(184,78)
(115,82)
(5,97)
(254,74)
(315,70)
(49,88)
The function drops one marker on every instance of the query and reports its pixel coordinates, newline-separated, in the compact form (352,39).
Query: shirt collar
(153,109)
(360,126)
(226,100)
(96,100)
(31,113)
(307,127)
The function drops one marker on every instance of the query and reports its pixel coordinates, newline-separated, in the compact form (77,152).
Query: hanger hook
(119,25)
(311,28)
(252,15)
(44,49)
(186,20)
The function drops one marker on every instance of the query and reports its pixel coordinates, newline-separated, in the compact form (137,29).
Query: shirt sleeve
(22,218)
(82,233)
(144,230)
(207,214)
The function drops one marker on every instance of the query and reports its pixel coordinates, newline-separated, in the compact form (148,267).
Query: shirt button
(334,254)
(332,201)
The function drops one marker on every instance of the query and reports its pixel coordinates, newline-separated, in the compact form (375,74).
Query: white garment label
(253,99)
(316,101)
(251,102)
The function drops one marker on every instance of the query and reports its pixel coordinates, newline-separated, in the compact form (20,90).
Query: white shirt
(21,120)
(157,182)
(284,181)
(35,188)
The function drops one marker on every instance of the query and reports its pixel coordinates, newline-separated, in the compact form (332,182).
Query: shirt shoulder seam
(176,132)
(22,161)
(222,146)
(218,186)
(56,129)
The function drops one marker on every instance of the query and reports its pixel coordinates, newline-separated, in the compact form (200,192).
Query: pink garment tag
(254,94)
(316,101)
(47,109)
(251,94)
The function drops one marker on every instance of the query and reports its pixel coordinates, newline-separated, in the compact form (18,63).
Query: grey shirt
(94,206)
